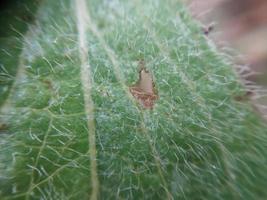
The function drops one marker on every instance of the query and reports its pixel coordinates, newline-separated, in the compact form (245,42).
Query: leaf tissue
(72,127)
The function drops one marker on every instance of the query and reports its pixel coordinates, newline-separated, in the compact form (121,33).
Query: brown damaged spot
(144,90)
(244,97)
(3,126)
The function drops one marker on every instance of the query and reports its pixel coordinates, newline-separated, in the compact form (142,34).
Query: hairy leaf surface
(74,130)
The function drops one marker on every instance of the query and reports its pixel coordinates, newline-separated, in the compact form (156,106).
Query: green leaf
(73,130)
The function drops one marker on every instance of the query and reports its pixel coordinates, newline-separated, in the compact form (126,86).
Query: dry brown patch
(144,90)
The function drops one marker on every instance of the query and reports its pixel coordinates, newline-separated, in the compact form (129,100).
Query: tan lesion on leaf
(144,90)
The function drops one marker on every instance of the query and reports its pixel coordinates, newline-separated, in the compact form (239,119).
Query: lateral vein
(82,16)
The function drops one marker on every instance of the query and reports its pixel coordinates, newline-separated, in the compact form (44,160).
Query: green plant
(74,130)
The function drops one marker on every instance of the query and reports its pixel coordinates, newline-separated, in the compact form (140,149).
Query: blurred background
(240,25)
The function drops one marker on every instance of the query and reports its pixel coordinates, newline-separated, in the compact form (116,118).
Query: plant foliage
(74,131)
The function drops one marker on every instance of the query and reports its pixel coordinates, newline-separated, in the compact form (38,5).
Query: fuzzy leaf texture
(73,130)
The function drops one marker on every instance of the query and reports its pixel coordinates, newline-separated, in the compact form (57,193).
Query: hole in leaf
(144,90)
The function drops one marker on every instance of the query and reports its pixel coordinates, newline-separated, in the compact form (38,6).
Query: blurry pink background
(240,25)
